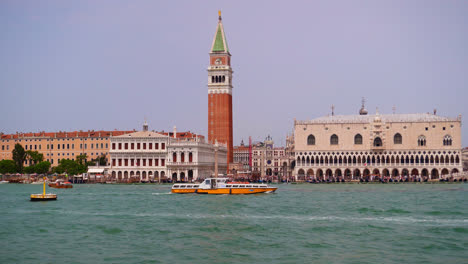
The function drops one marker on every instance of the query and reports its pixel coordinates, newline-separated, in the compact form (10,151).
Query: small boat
(61,185)
(43,196)
(36,182)
(2,182)
(222,186)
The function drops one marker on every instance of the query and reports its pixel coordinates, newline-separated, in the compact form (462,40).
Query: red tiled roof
(63,134)
(91,133)
(182,134)
(241,148)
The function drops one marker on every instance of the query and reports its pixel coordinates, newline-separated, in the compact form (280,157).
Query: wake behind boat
(222,186)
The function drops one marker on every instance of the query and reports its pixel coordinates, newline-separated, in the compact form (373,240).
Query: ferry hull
(226,190)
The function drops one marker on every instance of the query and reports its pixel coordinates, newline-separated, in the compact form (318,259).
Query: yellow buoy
(43,196)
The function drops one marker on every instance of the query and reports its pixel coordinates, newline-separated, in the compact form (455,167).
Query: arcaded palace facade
(390,145)
(152,156)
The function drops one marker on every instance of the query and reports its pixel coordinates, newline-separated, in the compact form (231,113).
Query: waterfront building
(241,155)
(220,92)
(155,156)
(427,146)
(267,160)
(56,146)
(465,158)
(194,159)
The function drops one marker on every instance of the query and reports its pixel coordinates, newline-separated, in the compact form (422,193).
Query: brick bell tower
(220,92)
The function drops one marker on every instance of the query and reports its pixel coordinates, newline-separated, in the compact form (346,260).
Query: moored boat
(61,185)
(222,186)
(37,182)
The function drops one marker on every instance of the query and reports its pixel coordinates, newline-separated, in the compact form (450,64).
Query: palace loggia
(424,145)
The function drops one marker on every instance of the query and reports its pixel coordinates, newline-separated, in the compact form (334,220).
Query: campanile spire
(220,91)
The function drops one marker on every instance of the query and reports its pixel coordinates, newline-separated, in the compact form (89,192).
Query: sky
(109,64)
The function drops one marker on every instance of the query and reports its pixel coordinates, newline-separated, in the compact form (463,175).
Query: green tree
(80,159)
(34,157)
(42,167)
(19,156)
(29,169)
(7,166)
(102,161)
(70,167)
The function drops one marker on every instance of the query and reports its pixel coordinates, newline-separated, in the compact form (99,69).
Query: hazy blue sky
(71,65)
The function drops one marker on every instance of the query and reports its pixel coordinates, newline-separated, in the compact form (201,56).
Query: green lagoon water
(303,223)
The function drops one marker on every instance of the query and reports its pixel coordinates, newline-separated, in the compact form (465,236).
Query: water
(303,223)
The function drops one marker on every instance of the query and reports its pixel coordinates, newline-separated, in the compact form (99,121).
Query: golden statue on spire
(219,13)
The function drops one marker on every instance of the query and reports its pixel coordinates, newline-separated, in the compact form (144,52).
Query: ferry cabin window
(207,181)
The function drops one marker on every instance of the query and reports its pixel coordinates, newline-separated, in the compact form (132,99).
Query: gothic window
(311,140)
(421,141)
(358,139)
(397,139)
(447,140)
(212,79)
(334,140)
(377,142)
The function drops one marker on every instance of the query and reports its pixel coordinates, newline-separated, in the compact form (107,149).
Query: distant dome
(363,111)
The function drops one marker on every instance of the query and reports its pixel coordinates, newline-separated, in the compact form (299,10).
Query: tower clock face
(218,61)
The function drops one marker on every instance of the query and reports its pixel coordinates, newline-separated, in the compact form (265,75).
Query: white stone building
(465,158)
(190,160)
(427,146)
(152,156)
(139,156)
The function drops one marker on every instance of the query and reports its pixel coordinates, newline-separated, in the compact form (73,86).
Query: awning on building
(96,170)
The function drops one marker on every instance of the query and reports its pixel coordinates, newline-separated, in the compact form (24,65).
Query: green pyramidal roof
(220,43)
